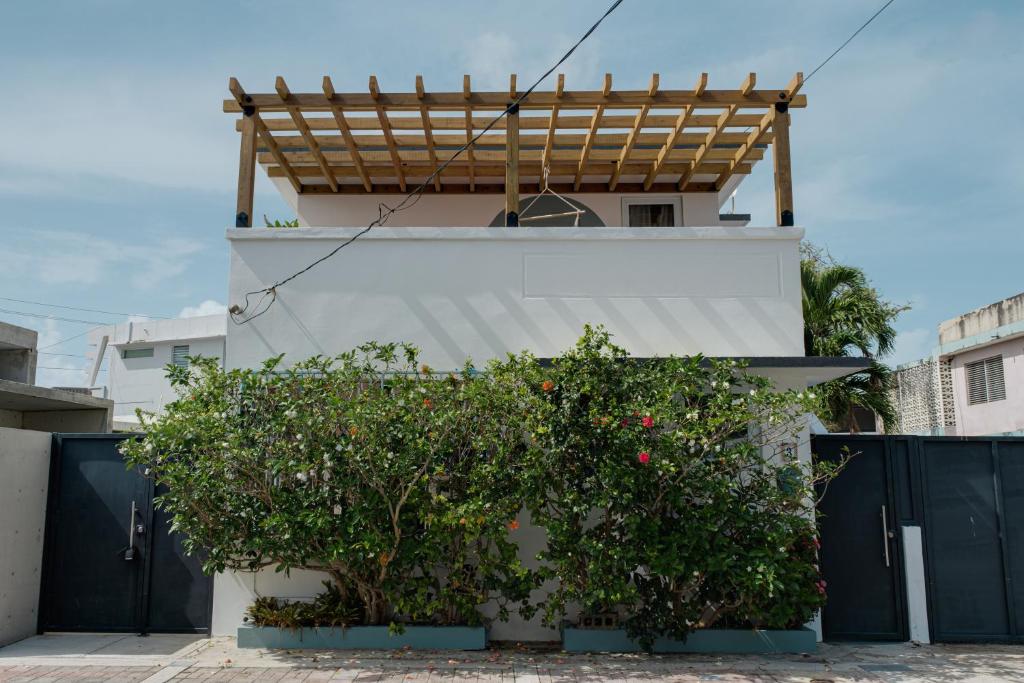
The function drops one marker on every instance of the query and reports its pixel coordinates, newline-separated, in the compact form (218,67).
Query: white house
(628,235)
(139,353)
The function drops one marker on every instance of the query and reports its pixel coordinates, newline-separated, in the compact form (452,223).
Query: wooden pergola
(626,141)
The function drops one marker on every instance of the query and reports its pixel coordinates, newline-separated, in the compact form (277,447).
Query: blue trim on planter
(724,641)
(364,638)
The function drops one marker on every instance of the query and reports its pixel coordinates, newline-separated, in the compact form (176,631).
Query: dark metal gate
(973,493)
(966,494)
(110,562)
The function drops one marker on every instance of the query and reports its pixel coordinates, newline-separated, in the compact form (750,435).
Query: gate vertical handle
(131,529)
(885,536)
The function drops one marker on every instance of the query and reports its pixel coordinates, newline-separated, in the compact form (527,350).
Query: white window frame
(676,201)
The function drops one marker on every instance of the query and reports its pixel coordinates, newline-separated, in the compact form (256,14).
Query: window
(651,212)
(179,356)
(985,380)
(146,352)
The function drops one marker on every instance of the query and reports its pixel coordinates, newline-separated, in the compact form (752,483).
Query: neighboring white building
(634,240)
(973,384)
(139,353)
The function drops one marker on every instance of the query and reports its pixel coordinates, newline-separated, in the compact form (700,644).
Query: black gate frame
(141,600)
(896,480)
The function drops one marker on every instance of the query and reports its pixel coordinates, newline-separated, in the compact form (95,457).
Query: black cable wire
(47,316)
(384,211)
(79,308)
(840,48)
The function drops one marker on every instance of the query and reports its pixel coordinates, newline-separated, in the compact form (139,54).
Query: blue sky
(117,167)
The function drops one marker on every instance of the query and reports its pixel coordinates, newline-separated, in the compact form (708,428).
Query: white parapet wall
(480,293)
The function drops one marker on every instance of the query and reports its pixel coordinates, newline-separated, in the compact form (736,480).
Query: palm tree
(844,316)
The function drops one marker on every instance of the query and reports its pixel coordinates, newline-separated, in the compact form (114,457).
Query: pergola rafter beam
(634,133)
(385,127)
(467,94)
(300,123)
(677,131)
(428,134)
(549,141)
(723,120)
(346,133)
(595,123)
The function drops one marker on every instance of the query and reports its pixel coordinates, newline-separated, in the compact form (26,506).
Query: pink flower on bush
(821,586)
(648,421)
(624,423)
(644,457)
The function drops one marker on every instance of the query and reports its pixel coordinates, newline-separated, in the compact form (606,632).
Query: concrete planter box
(723,641)
(364,638)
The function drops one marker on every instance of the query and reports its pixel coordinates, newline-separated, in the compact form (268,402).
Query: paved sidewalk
(179,658)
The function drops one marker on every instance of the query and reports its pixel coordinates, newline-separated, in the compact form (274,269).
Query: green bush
(397,482)
(667,489)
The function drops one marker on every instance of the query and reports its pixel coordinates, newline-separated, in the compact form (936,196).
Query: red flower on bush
(427,403)
(648,421)
(513,525)
(624,423)
(821,586)
(547,385)
(644,457)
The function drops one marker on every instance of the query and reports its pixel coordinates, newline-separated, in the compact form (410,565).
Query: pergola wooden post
(246,173)
(783,168)
(512,167)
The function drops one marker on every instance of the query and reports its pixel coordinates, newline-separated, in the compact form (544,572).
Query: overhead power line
(71,338)
(238,313)
(47,316)
(79,308)
(848,40)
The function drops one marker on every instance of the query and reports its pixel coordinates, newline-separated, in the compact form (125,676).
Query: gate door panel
(860,550)
(110,563)
(966,560)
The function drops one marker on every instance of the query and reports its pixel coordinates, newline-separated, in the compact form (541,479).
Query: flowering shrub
(666,490)
(395,481)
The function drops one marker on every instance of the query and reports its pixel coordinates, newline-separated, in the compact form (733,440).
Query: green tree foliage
(845,316)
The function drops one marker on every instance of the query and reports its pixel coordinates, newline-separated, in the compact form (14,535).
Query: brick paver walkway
(219,660)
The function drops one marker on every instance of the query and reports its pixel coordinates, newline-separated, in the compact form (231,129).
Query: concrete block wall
(24,477)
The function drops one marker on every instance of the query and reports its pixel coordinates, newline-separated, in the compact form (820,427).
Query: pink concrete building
(973,385)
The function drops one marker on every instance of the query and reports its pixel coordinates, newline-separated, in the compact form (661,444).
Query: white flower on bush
(337,509)
(290,414)
(302,476)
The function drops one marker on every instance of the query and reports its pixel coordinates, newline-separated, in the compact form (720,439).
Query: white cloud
(208,307)
(56,257)
(912,345)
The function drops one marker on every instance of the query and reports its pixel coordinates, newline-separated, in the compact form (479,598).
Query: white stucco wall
(480,293)
(483,292)
(24,474)
(698,208)
(996,417)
